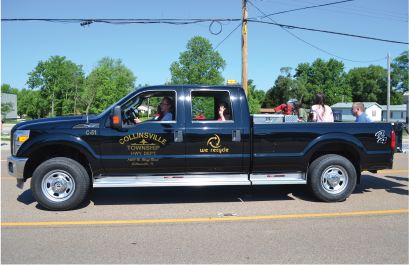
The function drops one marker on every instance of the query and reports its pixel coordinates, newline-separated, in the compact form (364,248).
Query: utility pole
(388,110)
(244,46)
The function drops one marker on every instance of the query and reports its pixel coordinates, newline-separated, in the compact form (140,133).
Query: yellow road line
(201,219)
(8,178)
(389,171)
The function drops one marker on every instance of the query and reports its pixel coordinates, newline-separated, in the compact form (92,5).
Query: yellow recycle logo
(217,139)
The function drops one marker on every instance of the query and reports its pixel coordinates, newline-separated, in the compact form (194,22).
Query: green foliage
(203,103)
(32,104)
(6,108)
(370,84)
(254,97)
(399,72)
(198,65)
(108,82)
(6,88)
(327,77)
(57,80)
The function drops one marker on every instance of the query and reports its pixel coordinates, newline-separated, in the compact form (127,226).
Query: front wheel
(332,178)
(60,184)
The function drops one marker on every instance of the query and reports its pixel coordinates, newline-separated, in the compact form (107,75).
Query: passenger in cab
(224,114)
(166,107)
(200,116)
(320,110)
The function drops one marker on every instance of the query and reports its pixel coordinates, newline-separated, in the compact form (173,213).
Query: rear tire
(332,178)
(60,184)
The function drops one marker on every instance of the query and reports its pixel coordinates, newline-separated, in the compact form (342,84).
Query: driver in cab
(166,107)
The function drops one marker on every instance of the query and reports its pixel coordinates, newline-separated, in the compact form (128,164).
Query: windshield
(109,109)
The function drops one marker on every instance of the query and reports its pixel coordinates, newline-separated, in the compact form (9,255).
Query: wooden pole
(166,81)
(244,46)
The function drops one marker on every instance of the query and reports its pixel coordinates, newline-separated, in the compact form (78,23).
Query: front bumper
(16,169)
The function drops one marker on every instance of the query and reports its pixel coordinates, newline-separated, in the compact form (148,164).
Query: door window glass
(157,106)
(207,106)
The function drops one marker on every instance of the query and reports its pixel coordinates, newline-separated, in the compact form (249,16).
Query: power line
(311,44)
(325,31)
(227,36)
(406,17)
(307,8)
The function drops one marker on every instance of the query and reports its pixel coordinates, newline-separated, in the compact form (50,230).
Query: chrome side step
(278,178)
(177,180)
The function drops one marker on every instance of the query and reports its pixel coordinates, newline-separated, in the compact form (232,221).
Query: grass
(11,122)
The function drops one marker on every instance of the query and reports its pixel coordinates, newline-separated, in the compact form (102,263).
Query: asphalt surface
(203,225)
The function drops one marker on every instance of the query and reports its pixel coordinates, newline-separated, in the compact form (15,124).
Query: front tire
(332,178)
(60,184)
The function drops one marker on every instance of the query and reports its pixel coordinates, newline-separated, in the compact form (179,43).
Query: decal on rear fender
(381,137)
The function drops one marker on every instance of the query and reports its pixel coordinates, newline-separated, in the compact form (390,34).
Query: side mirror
(116,118)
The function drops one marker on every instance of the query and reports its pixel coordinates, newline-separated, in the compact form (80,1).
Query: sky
(149,49)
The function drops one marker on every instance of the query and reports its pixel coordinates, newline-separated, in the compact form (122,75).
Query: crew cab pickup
(66,156)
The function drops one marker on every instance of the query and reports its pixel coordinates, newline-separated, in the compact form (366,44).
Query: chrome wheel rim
(334,180)
(58,185)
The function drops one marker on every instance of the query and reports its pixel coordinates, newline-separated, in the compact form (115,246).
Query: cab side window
(208,106)
(150,106)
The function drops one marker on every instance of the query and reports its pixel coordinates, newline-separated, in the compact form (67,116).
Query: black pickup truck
(66,156)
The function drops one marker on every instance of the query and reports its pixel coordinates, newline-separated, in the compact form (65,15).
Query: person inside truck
(166,108)
(223,110)
(358,110)
(200,116)
(300,112)
(320,110)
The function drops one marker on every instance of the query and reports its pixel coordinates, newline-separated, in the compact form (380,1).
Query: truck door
(151,147)
(213,146)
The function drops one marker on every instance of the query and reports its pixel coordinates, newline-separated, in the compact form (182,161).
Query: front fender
(28,148)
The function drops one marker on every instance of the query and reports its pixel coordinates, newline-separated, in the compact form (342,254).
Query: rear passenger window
(206,106)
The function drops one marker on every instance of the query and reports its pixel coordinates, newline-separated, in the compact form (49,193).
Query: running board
(278,178)
(167,181)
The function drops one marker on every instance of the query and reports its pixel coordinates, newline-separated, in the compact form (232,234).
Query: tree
(399,72)
(281,91)
(6,108)
(198,65)
(6,88)
(107,83)
(327,77)
(254,97)
(369,84)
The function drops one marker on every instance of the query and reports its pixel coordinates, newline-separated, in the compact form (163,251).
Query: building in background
(6,97)
(372,109)
(397,113)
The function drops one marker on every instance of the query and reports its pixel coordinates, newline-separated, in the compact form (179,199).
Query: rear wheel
(60,184)
(332,178)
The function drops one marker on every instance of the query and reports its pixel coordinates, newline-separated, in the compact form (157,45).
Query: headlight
(19,137)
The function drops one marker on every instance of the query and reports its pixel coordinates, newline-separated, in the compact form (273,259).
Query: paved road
(208,225)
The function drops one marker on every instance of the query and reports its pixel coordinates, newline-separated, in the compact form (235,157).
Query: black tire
(60,184)
(331,178)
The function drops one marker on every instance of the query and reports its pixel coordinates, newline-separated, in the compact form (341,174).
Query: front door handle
(236,135)
(178,136)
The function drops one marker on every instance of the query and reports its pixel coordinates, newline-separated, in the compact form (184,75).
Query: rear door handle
(236,135)
(178,136)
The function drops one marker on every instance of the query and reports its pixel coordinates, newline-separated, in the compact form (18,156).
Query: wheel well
(344,150)
(50,151)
